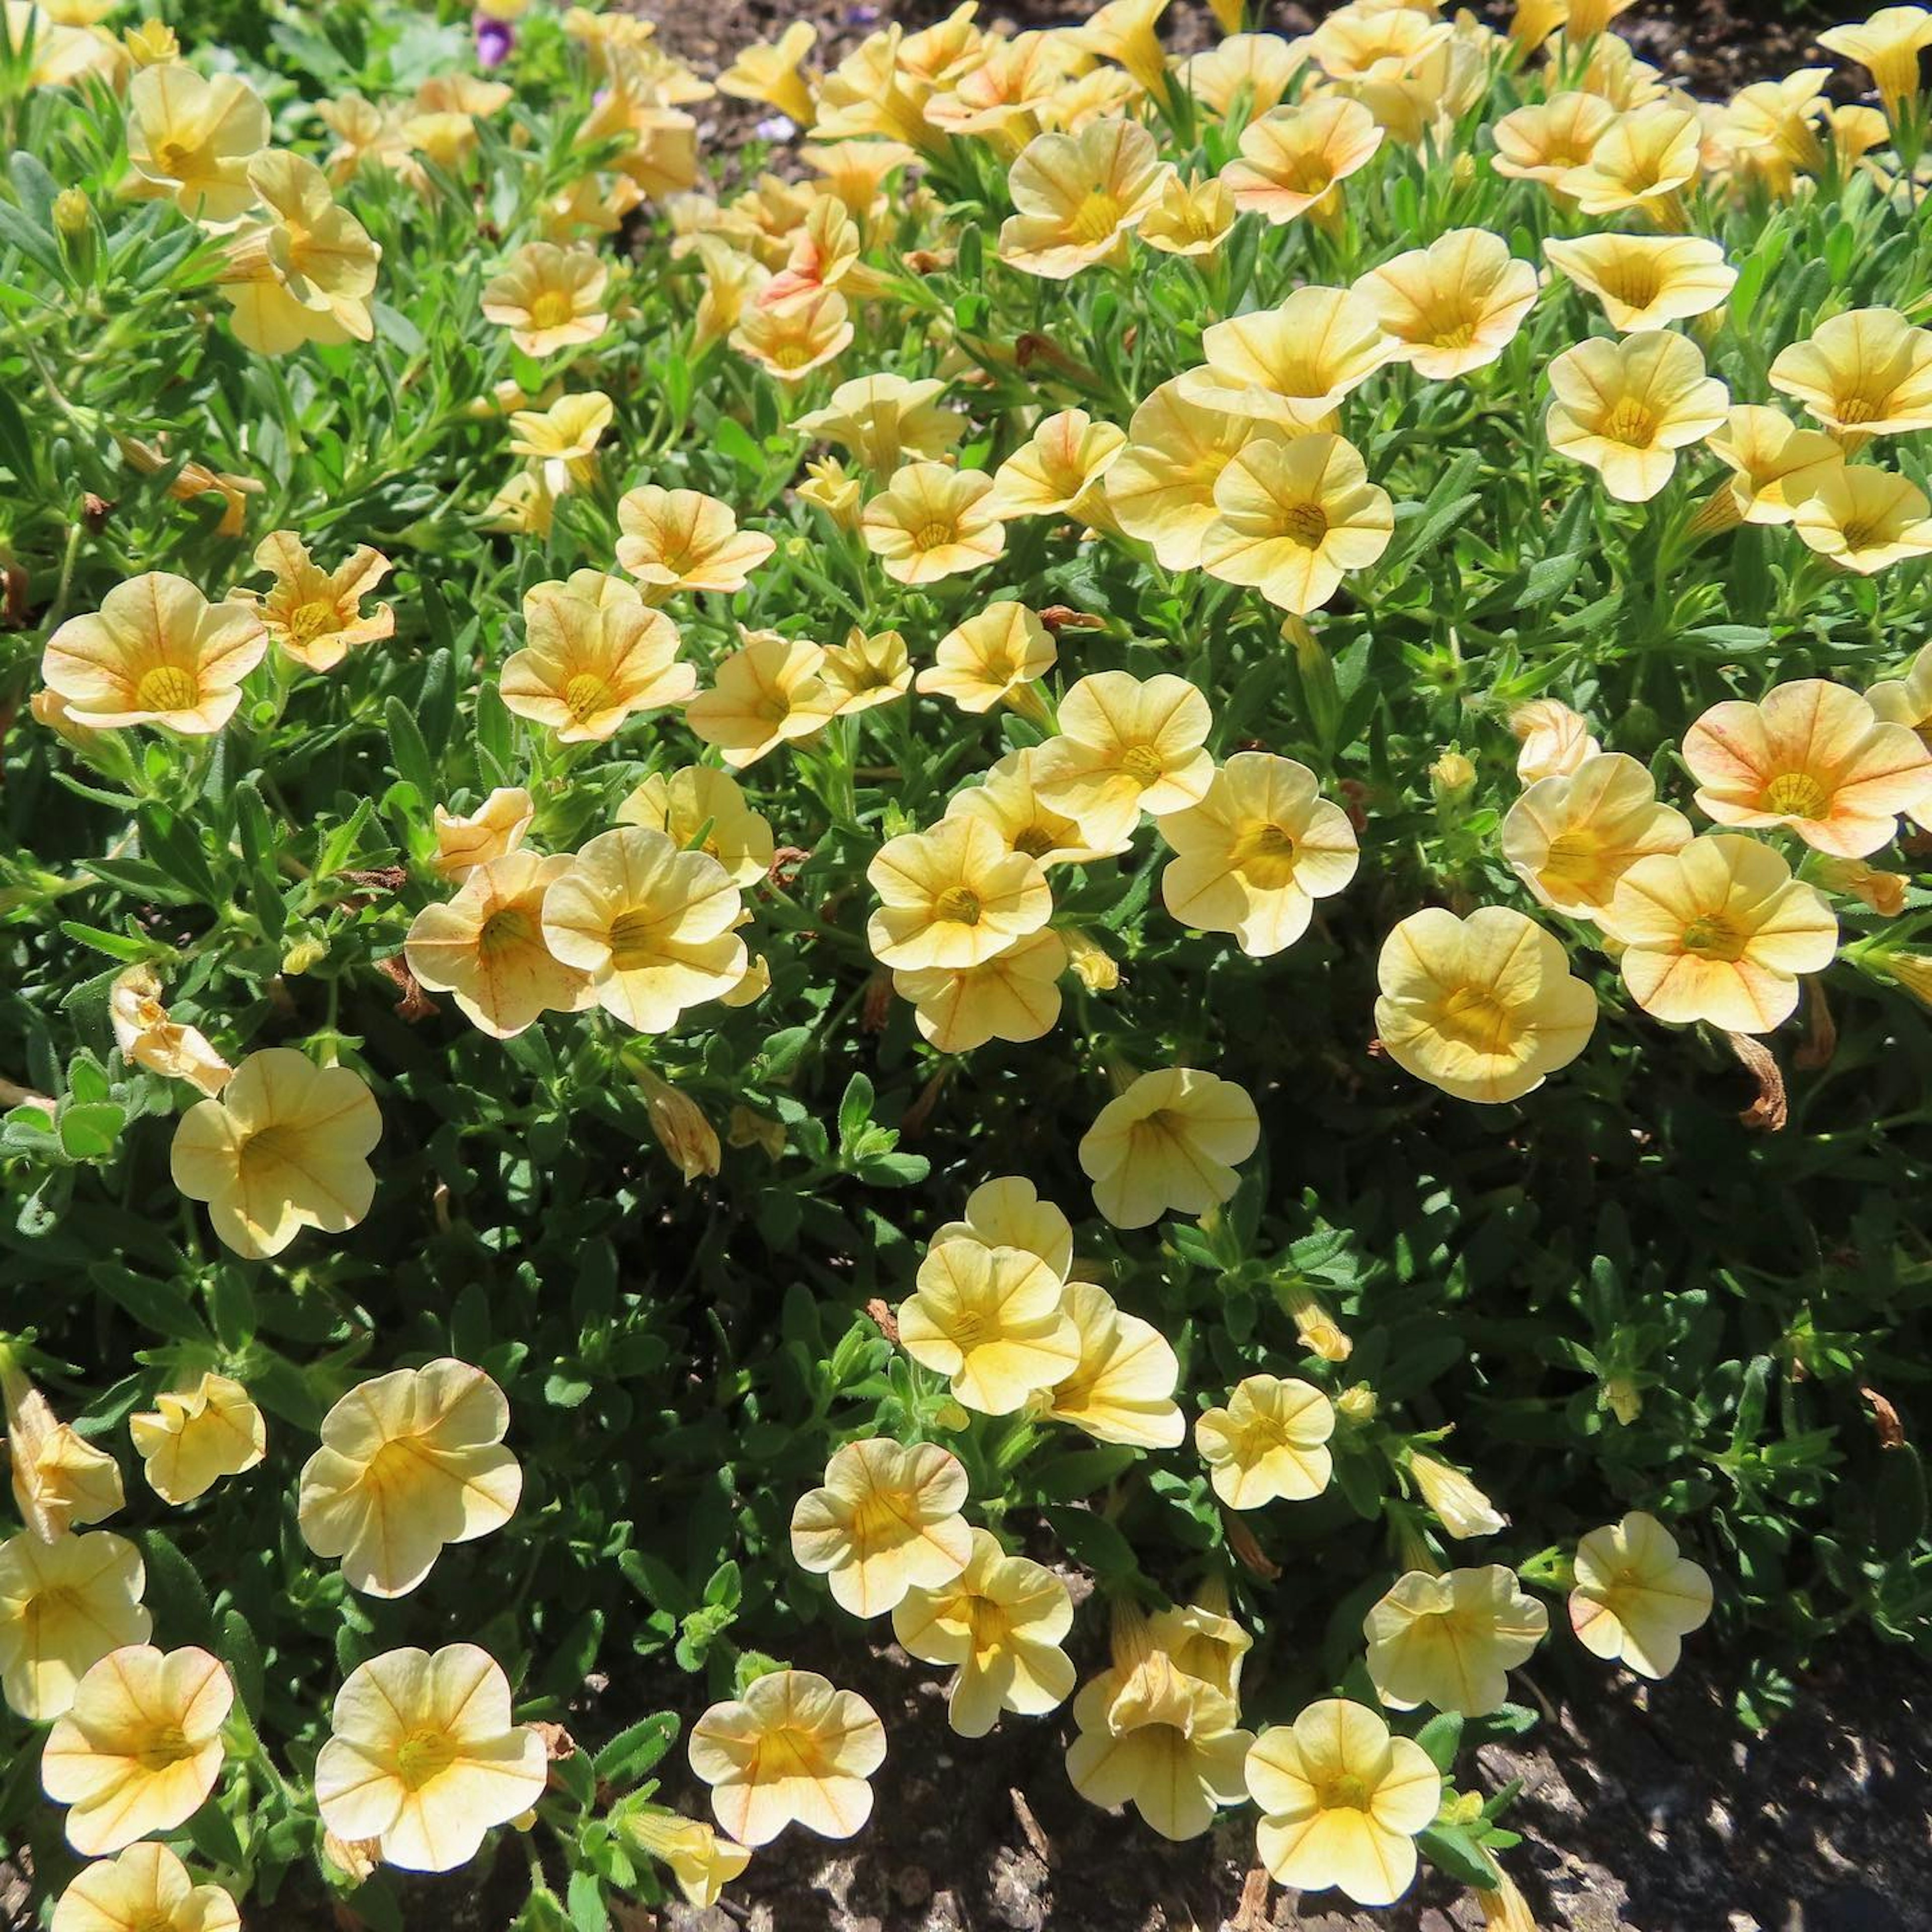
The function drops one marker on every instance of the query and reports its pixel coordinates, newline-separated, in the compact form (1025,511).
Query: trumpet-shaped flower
(1626,407)
(1635,1599)
(138,1751)
(791,340)
(932,522)
(1294,365)
(192,136)
(1463,1510)
(1907,700)
(1078,196)
(1291,158)
(953,897)
(886,1522)
(700,808)
(58,1479)
(1571,837)
(1888,47)
(992,658)
(549,298)
(1485,1008)
(596,656)
(64,1605)
(1265,63)
(1341,1801)
(315,616)
(1008,1213)
(1555,740)
(156,652)
(1160,488)
(884,421)
(1128,742)
(146,1889)
(498,826)
(1867,372)
(675,540)
(1640,160)
(410,1461)
(792,1751)
(1194,216)
(653,926)
(1014,995)
(560,442)
(1169,1145)
(1270,1444)
(1719,930)
(769,72)
(423,1757)
(991,1319)
(865,672)
(1123,1389)
(767,693)
(1862,518)
(1056,471)
(1545,141)
(194,1436)
(1452,1640)
(304,270)
(1455,305)
(1774,463)
(284,1147)
(1645,281)
(1008,799)
(147,1036)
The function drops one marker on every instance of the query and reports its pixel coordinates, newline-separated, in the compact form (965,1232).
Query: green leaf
(1452,1850)
(90,1132)
(176,1595)
(633,1754)
(1441,1737)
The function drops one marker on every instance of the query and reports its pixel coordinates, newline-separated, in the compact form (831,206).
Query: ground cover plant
(1124,881)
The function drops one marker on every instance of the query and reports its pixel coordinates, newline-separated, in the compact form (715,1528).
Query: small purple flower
(861,16)
(494,41)
(775,127)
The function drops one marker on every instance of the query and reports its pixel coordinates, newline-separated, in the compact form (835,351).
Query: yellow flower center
(552,309)
(171,158)
(1797,795)
(1259,1437)
(1859,536)
(423,1755)
(165,1746)
(1043,834)
(1711,935)
(791,354)
(985,1620)
(1629,423)
(584,695)
(166,688)
(969,1328)
(1455,332)
(1143,764)
(1473,1017)
(1265,854)
(1572,857)
(1345,1791)
(504,931)
(1306,524)
(308,622)
(1633,279)
(787,1752)
(934,534)
(1309,174)
(634,941)
(998,669)
(48,1608)
(266,1149)
(1858,408)
(1097,218)
(960,905)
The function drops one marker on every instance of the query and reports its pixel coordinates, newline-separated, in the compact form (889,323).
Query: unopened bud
(1451,778)
(1093,966)
(1320,1333)
(1623,1399)
(1358,1404)
(1461,1508)
(73,212)
(681,1128)
(153,43)
(303,955)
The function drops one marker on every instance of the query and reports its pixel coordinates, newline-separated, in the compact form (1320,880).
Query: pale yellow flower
(1128,742)
(1057,471)
(790,342)
(497,826)
(991,1319)
(146,1035)
(1451,1640)
(886,1522)
(1635,1599)
(1169,1145)
(1641,160)
(64,1605)
(1544,141)
(1292,157)
(1265,63)
(1293,365)
(1554,739)
(58,1479)
(1626,407)
(192,136)
(865,672)
(560,442)
(303,270)
(1455,305)
(993,657)
(1864,373)
(1645,281)
(1269,1444)
(702,809)
(146,1889)
(194,1436)
(953,897)
(1122,1391)
(1160,487)
(702,1861)
(675,540)
(314,615)
(1194,216)
(1863,518)
(769,72)
(767,693)
(1008,1213)
(1570,838)
(550,298)
(1013,995)
(1463,1510)
(931,522)
(1888,45)
(1775,463)
(884,421)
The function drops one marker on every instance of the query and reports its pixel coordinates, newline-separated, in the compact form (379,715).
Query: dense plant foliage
(1114,880)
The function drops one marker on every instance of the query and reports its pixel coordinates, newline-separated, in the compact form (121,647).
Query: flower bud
(1320,1334)
(1451,778)
(302,955)
(682,1129)
(1913,971)
(73,211)
(747,1129)
(1357,1403)
(1505,1909)
(1096,968)
(1461,1508)
(1883,892)
(355,1859)
(153,43)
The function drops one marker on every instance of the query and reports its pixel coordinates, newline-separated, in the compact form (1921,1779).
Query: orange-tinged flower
(560,442)
(823,254)
(1888,45)
(1123,31)
(652,925)
(792,1751)
(1544,141)
(1293,515)
(146,1035)
(1813,756)
(1160,488)
(1128,742)
(1867,372)
(550,298)
(64,1605)
(1554,739)
(1008,1213)
(423,1757)
(191,135)
(1484,1007)
(1291,157)
(140,1749)
(410,1462)
(1861,518)
(1195,215)
(594,656)
(1719,930)
(194,1436)
(1626,408)
(1452,1640)
(1252,858)
(953,897)
(156,652)
(1645,281)
(790,341)
(1008,799)
(497,826)
(1078,196)
(1341,1801)
(1265,63)
(699,808)
(1123,1389)
(285,1147)
(314,615)
(1641,160)
(1057,471)
(1455,305)
(990,1319)
(1774,463)
(58,1479)
(884,421)
(1570,837)
(1635,1599)
(865,672)
(768,72)
(931,521)
(992,658)
(1366,43)
(767,693)
(886,1521)
(1169,1145)
(683,540)
(147,1888)
(304,269)
(1294,365)
(1270,1444)
(1014,995)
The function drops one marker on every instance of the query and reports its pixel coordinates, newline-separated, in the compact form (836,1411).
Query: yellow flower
(886,1522)
(1862,518)
(1265,63)
(498,826)
(1193,217)
(1291,158)
(1123,1389)
(698,800)
(1374,42)
(683,540)
(305,270)
(1814,757)
(1008,1213)
(865,672)
(1292,516)
(932,522)
(731,282)
(768,72)
(140,1749)
(1719,930)
(191,136)
(1547,140)
(1455,305)
(838,495)
(549,298)
(789,342)
(1169,1145)
(1776,463)
(146,1035)
(1645,281)
(1014,995)
(1294,365)
(560,442)
(1057,471)
(990,1319)
(315,615)
(1640,160)
(1000,1623)
(1462,1509)
(1341,1801)
(1008,799)
(1626,407)
(1269,1444)
(1554,739)
(194,1436)
(1200,1640)
(156,652)
(1907,699)
(1865,373)
(1128,742)
(884,421)
(64,1605)
(953,897)
(1635,1599)
(594,656)
(792,1751)
(823,253)
(1484,1008)
(703,1862)
(146,1887)
(652,925)
(1888,47)
(1079,196)
(1451,1641)
(486,946)
(764,694)
(286,1147)
(1571,837)
(1252,858)
(992,658)
(1168,1743)
(59,1480)
(410,1461)
(423,1757)
(1160,487)
(1122,30)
